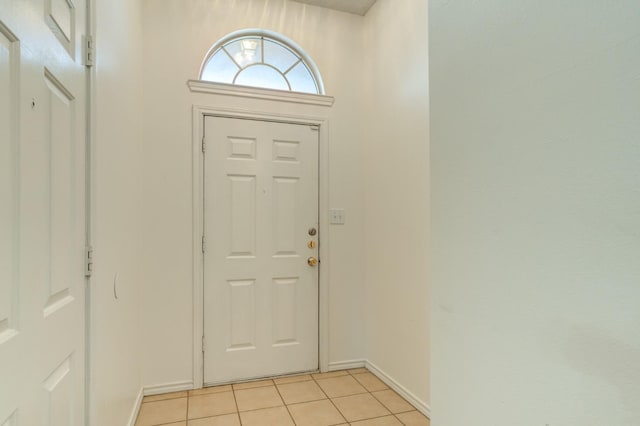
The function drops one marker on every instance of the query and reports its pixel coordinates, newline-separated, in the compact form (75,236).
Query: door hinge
(203,344)
(204,145)
(204,244)
(88,261)
(89,54)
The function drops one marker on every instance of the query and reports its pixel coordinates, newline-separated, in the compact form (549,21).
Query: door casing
(254,109)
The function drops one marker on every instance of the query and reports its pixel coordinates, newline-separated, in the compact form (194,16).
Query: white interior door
(261,228)
(42,219)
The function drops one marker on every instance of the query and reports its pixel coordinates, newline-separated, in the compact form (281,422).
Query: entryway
(260,244)
(355,397)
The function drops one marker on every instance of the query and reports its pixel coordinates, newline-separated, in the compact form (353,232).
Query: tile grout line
(186,422)
(235,401)
(286,406)
(162,400)
(252,387)
(395,415)
(331,400)
(373,396)
(384,405)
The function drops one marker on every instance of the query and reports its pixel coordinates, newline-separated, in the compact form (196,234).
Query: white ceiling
(359,7)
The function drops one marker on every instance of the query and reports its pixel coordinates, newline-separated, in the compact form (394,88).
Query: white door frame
(251,112)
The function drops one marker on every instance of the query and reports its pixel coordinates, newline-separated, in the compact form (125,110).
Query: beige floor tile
(226,420)
(330,374)
(413,418)
(341,386)
(316,413)
(213,404)
(394,402)
(360,407)
(209,390)
(278,416)
(163,396)
(370,382)
(161,412)
(175,424)
(293,393)
(380,421)
(256,398)
(250,385)
(358,370)
(292,379)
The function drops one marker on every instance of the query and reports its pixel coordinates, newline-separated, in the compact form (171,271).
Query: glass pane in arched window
(220,68)
(301,80)
(262,76)
(261,61)
(279,56)
(246,51)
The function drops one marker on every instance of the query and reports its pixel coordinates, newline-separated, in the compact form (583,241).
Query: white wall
(115,323)
(396,150)
(177,35)
(535,212)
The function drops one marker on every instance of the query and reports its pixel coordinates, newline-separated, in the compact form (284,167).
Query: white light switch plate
(336,216)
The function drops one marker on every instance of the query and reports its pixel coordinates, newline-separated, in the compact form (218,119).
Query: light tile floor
(347,397)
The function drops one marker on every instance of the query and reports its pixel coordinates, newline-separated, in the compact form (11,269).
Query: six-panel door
(42,219)
(260,293)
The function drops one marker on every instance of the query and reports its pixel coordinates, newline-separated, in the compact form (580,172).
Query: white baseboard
(136,408)
(420,405)
(343,365)
(168,387)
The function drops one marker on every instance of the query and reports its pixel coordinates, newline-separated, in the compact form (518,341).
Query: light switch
(336,216)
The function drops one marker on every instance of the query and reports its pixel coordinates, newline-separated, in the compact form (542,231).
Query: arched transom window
(261,60)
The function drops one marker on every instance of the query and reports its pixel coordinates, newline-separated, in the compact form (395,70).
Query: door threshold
(257,379)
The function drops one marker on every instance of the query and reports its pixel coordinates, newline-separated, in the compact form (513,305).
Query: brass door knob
(312,261)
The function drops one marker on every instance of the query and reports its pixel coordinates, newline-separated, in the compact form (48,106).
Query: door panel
(61,19)
(260,295)
(241,216)
(242,315)
(61,193)
(59,396)
(284,216)
(42,218)
(284,310)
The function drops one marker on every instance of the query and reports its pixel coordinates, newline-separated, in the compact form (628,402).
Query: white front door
(261,228)
(42,212)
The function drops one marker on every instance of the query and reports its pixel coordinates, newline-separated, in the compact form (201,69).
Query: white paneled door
(42,212)
(261,235)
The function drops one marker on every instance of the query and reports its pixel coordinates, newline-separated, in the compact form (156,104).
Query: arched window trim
(252,32)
